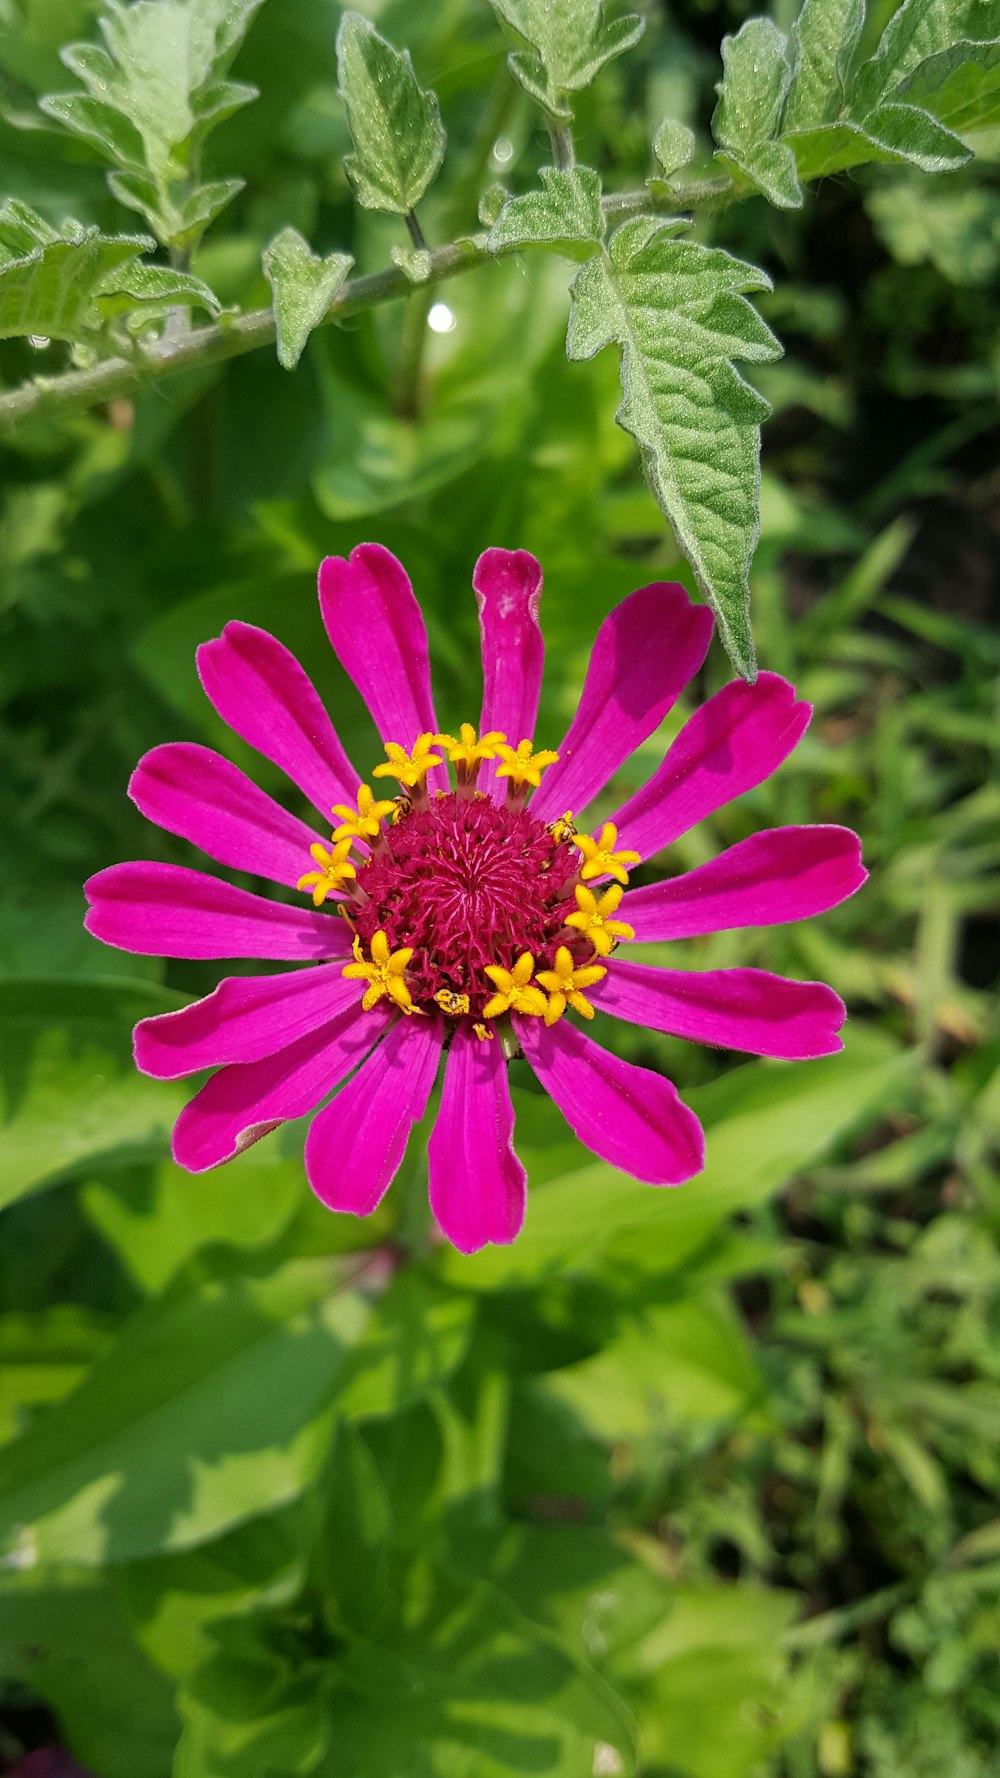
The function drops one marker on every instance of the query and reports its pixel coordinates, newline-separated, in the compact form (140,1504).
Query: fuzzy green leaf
(824,38)
(99,123)
(679,314)
(894,135)
(748,114)
(673,146)
(960,86)
(395,126)
(303,286)
(146,291)
(176,225)
(569,45)
(921,28)
(52,291)
(22,230)
(413,262)
(565,215)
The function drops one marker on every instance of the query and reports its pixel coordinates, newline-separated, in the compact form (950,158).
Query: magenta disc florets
(465,884)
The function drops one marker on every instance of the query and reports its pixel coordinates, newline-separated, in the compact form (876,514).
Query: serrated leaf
(751,98)
(395,126)
(920,28)
(52,291)
(152,290)
(570,44)
(769,169)
(565,214)
(824,38)
(958,86)
(99,123)
(678,312)
(219,101)
(22,229)
(894,135)
(414,263)
(180,225)
(673,146)
(302,286)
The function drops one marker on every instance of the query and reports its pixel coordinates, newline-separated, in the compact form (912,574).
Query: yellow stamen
(563,983)
(564,828)
(514,990)
(384,973)
(364,823)
(600,857)
(466,753)
(592,918)
(483,1033)
(410,768)
(452,1004)
(522,765)
(334,871)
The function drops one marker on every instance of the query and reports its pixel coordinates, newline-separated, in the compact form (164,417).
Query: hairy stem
(563,152)
(53,398)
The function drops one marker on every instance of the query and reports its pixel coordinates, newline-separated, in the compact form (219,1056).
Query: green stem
(563,152)
(53,398)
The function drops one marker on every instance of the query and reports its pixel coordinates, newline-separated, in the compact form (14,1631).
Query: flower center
(466,885)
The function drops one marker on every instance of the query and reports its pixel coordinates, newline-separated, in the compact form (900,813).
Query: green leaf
(960,87)
(919,29)
(210,1407)
(22,230)
(673,146)
(100,123)
(303,286)
(895,135)
(67,1640)
(413,262)
(958,231)
(570,43)
(181,225)
(395,125)
(824,38)
(147,291)
(678,313)
(69,1092)
(748,113)
(565,214)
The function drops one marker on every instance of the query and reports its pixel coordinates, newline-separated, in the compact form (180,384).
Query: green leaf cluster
(567,45)
(154,93)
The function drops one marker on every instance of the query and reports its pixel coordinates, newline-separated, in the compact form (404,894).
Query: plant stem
(53,398)
(563,152)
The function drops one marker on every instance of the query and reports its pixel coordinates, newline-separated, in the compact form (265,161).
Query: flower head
(457,913)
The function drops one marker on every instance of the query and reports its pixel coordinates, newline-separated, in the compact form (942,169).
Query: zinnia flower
(472,915)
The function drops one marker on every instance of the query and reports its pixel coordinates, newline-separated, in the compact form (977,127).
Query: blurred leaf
(570,44)
(957,231)
(254,1706)
(53,291)
(918,30)
(747,115)
(156,1221)
(673,145)
(42,1357)
(565,214)
(68,1086)
(303,286)
(355,1519)
(676,310)
(395,124)
(69,1640)
(824,38)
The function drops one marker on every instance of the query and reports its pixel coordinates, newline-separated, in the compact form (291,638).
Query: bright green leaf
(146,291)
(919,29)
(747,116)
(570,43)
(395,126)
(673,146)
(68,1087)
(960,87)
(303,286)
(897,135)
(413,262)
(565,214)
(824,38)
(678,313)
(771,170)
(98,122)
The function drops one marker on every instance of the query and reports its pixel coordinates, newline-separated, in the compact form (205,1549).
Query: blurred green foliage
(697,1484)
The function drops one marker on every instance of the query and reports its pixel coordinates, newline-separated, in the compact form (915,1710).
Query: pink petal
(378,635)
(166,910)
(644,655)
(197,794)
(508,587)
(244,1020)
(629,1116)
(259,689)
(356,1144)
(477,1183)
(740,1009)
(730,745)
(784,873)
(241,1104)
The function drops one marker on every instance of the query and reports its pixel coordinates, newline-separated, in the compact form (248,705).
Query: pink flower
(474,917)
